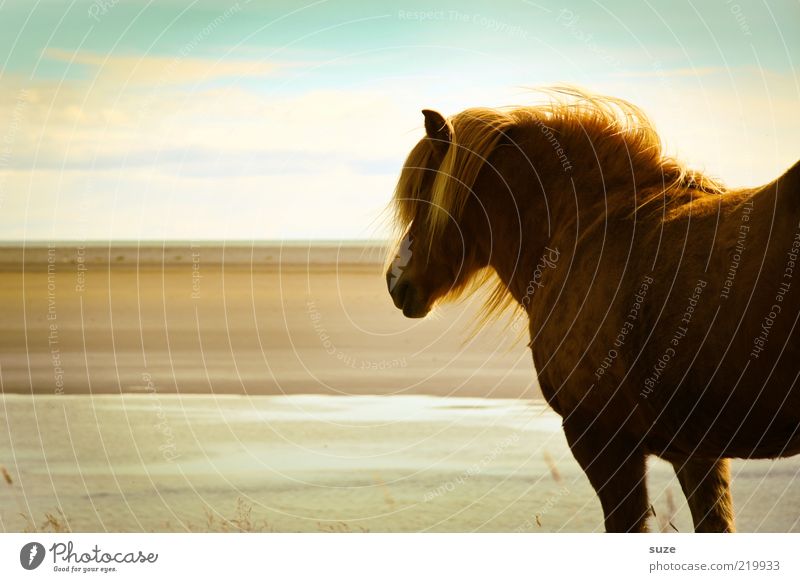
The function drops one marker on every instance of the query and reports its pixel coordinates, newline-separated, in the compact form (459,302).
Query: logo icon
(31,555)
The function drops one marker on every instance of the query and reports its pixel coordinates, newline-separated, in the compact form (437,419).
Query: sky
(274,120)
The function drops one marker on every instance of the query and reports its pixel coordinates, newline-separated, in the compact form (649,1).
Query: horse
(662,306)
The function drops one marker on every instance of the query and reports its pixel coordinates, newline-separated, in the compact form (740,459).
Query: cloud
(71,126)
(160,70)
(105,161)
(739,124)
(144,159)
(666,73)
(138,204)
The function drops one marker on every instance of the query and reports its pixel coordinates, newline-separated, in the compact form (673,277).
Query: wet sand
(155,462)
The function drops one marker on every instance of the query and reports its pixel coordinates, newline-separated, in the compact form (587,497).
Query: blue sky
(289,120)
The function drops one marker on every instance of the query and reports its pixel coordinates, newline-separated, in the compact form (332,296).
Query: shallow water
(320,463)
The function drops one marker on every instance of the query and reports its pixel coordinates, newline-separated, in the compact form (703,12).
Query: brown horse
(662,306)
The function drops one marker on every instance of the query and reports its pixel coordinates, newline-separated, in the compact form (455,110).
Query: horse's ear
(437,127)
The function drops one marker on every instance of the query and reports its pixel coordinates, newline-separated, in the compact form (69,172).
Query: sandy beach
(268,319)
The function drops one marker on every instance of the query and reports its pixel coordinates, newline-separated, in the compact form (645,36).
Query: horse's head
(442,244)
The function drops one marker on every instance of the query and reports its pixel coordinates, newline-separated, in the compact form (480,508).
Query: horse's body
(665,319)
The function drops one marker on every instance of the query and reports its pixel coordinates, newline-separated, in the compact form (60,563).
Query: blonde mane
(615,127)
(436,183)
(476,133)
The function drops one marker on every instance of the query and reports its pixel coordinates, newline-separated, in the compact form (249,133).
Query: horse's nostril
(407,297)
(399,293)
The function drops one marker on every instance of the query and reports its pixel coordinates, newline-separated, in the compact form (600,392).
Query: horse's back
(790,180)
(734,390)
(685,330)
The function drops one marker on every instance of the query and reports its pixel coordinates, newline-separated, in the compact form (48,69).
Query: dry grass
(242,520)
(340,527)
(551,464)
(53,523)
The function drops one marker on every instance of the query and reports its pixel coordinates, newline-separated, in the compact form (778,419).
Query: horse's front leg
(616,470)
(706,484)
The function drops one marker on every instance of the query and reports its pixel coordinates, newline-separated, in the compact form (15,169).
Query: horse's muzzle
(407,297)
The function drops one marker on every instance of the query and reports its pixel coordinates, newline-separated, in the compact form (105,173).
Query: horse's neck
(559,204)
(523,265)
